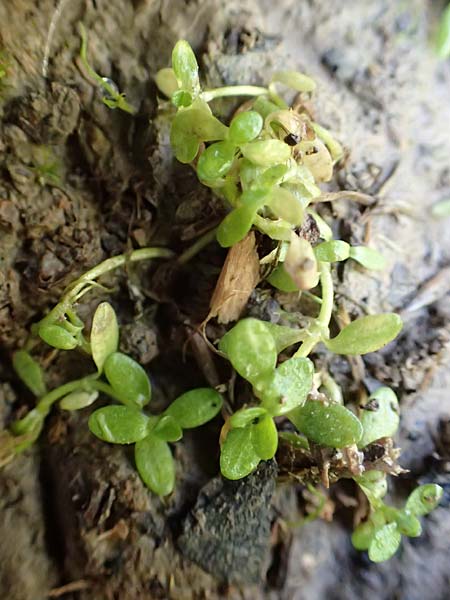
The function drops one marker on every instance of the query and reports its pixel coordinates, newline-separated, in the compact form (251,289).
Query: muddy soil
(80,182)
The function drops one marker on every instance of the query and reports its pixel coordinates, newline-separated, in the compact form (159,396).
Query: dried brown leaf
(237,280)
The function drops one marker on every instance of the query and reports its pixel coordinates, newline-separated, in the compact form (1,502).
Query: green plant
(118,376)
(111,96)
(266,165)
(443,35)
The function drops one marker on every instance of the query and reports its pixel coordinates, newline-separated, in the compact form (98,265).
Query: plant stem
(234,90)
(198,245)
(323,320)
(90,276)
(89,383)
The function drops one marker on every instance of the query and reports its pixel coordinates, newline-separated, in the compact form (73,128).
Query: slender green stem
(33,420)
(90,276)
(234,90)
(198,245)
(323,320)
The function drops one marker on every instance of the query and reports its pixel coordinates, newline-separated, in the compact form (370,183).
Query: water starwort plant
(266,165)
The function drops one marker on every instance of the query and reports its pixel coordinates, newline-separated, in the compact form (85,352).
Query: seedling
(266,165)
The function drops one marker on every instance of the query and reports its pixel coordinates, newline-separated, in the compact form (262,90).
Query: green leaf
(181,98)
(442,208)
(245,127)
(166,82)
(265,437)
(167,429)
(368,257)
(78,399)
(366,334)
(379,417)
(155,464)
(374,485)
(408,524)
(332,251)
(119,424)
(238,456)
(273,176)
(385,543)
(250,348)
(285,205)
(244,416)
(30,372)
(424,499)
(443,35)
(281,280)
(185,66)
(128,379)
(295,80)
(264,106)
(195,408)
(285,336)
(238,222)
(287,387)
(266,152)
(294,439)
(333,426)
(104,334)
(57,337)
(216,161)
(192,126)
(363,535)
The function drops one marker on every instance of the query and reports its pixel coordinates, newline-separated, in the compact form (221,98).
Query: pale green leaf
(385,543)
(104,334)
(119,424)
(368,257)
(238,456)
(167,429)
(379,416)
(195,408)
(30,372)
(333,425)
(78,399)
(265,437)
(266,152)
(128,379)
(366,334)
(155,465)
(332,251)
(424,499)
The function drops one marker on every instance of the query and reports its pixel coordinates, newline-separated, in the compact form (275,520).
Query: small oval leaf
(167,429)
(30,372)
(287,387)
(281,280)
(119,424)
(195,408)
(57,337)
(216,161)
(266,152)
(379,416)
(333,426)
(245,416)
(245,127)
(166,82)
(363,536)
(424,499)
(155,464)
(238,457)
(104,334)
(185,66)
(285,336)
(366,334)
(238,222)
(408,524)
(265,438)
(368,257)
(250,348)
(295,80)
(385,543)
(128,379)
(332,251)
(78,399)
